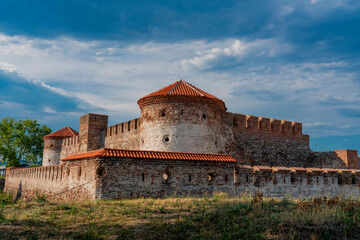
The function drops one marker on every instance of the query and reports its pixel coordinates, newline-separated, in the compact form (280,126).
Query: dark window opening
(190,177)
(143,177)
(274,180)
(204,116)
(162,113)
(353,180)
(226,178)
(182,111)
(317,179)
(247,178)
(340,180)
(129,126)
(301,179)
(293,178)
(284,179)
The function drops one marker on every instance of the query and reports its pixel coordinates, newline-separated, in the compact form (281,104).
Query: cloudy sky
(288,59)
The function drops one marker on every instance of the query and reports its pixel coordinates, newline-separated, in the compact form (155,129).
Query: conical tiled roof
(180,91)
(63,133)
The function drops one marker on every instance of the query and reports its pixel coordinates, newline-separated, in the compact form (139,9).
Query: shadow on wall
(2,184)
(18,194)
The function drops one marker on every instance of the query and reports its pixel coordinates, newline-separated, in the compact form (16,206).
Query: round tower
(181,118)
(53,143)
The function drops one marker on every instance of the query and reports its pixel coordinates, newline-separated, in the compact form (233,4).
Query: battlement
(267,127)
(123,127)
(70,141)
(262,175)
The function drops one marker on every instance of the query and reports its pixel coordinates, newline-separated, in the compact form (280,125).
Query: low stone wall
(297,182)
(73,180)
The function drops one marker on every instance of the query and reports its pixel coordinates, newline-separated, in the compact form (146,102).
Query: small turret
(52,145)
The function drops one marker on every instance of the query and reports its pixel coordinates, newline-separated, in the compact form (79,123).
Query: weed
(40,198)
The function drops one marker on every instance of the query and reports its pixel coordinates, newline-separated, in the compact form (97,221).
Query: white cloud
(113,76)
(235,51)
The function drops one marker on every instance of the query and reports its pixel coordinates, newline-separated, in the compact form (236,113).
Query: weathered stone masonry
(149,156)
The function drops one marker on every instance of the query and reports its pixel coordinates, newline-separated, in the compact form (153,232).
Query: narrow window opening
(122,127)
(129,126)
(353,180)
(284,179)
(274,180)
(293,178)
(226,178)
(182,111)
(143,177)
(204,116)
(135,123)
(190,177)
(340,180)
(317,179)
(116,130)
(247,178)
(301,179)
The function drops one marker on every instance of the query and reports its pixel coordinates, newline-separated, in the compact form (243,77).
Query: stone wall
(124,135)
(297,182)
(74,180)
(114,178)
(181,127)
(270,142)
(52,151)
(69,146)
(128,178)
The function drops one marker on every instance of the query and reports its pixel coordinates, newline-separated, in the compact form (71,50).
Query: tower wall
(181,127)
(92,131)
(52,151)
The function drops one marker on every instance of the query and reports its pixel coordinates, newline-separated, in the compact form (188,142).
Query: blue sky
(296,60)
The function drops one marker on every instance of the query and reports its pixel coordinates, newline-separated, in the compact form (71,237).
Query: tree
(21,141)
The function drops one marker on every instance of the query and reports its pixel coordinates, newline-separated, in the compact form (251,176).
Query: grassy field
(218,217)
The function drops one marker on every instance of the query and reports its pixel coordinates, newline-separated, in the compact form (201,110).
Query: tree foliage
(21,141)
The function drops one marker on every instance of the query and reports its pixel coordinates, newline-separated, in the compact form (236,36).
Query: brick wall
(55,182)
(297,182)
(155,178)
(129,178)
(69,146)
(124,135)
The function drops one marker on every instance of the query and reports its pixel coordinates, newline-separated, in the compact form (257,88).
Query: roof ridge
(193,88)
(174,87)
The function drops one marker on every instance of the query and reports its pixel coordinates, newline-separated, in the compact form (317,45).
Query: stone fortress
(185,143)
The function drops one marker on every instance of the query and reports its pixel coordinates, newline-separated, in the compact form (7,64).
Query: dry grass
(218,217)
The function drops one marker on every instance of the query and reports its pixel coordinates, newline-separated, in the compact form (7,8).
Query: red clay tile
(120,153)
(62,133)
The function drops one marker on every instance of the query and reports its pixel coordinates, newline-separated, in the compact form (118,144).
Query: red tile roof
(63,133)
(120,153)
(180,91)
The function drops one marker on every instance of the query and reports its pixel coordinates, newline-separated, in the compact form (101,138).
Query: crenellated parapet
(124,135)
(293,177)
(265,127)
(123,127)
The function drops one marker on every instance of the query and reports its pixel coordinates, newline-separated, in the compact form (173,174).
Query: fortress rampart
(146,156)
(124,135)
(73,181)
(118,177)
(266,127)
